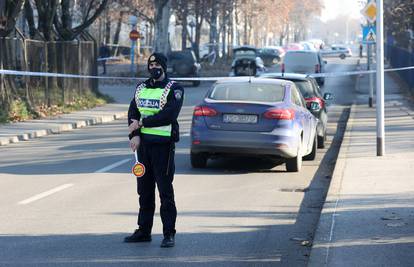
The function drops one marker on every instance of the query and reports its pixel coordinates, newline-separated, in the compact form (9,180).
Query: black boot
(138,236)
(168,241)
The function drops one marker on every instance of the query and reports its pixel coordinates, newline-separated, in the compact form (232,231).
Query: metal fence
(77,57)
(400,58)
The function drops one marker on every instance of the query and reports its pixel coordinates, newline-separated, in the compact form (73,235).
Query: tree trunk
(223,33)
(46,12)
(28,13)
(213,27)
(245,31)
(66,17)
(118,27)
(199,11)
(184,24)
(151,35)
(107,29)
(162,21)
(9,11)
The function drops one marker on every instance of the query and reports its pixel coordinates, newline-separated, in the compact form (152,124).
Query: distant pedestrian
(153,126)
(104,53)
(360,50)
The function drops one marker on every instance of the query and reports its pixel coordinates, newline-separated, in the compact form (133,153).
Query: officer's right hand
(134,143)
(133,126)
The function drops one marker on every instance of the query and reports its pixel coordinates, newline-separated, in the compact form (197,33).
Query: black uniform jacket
(168,115)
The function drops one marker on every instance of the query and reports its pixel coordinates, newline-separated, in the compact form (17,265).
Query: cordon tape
(62,75)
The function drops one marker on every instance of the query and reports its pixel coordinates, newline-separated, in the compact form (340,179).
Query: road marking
(112,166)
(44,194)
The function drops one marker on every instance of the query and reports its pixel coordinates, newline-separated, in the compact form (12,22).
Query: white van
(304,62)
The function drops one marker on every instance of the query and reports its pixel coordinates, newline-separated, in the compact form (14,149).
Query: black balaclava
(156,73)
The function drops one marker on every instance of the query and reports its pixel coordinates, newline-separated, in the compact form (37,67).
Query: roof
(284,75)
(302,52)
(245,47)
(246,79)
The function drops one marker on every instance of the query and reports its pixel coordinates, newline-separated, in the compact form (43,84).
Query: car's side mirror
(314,106)
(328,96)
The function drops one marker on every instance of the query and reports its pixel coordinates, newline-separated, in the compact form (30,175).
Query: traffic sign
(134,35)
(370,11)
(369,34)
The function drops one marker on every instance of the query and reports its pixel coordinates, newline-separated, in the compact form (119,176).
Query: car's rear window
(248,92)
(300,58)
(306,88)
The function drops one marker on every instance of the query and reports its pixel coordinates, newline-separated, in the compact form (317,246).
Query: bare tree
(399,15)
(64,26)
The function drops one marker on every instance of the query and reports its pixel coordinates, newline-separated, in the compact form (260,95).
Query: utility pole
(380,79)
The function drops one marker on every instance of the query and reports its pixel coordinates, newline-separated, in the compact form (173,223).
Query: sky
(333,8)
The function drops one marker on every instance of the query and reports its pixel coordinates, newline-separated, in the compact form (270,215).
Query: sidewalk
(21,131)
(368,216)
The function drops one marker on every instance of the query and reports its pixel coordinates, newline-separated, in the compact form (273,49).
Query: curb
(62,127)
(319,255)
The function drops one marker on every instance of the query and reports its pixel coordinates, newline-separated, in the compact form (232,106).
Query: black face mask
(156,73)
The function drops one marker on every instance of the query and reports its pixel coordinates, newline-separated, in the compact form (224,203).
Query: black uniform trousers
(158,160)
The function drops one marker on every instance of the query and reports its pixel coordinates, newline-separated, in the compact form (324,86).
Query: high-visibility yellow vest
(151,101)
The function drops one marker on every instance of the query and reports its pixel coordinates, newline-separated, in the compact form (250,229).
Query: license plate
(239,118)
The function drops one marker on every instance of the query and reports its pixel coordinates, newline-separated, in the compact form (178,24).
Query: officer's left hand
(134,143)
(133,126)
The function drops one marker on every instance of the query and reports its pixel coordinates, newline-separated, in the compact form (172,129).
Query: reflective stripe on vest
(151,101)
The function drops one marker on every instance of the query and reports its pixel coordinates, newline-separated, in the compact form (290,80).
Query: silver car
(253,117)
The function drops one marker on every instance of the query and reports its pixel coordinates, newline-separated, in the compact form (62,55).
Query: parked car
(246,62)
(253,117)
(183,64)
(312,94)
(293,47)
(308,46)
(340,51)
(304,62)
(271,54)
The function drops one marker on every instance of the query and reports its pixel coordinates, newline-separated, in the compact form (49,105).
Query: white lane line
(112,166)
(44,194)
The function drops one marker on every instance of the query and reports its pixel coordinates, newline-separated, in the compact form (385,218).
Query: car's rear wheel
(342,56)
(198,160)
(312,155)
(295,164)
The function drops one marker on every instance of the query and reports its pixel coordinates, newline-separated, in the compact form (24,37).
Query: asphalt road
(69,199)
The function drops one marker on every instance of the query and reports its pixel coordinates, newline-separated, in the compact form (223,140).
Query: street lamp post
(133,20)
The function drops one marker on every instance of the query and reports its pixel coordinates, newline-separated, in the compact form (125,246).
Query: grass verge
(20,111)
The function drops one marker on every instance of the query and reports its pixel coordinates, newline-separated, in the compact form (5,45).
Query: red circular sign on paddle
(134,35)
(138,169)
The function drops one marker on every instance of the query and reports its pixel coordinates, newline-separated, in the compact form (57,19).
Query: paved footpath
(21,131)
(368,216)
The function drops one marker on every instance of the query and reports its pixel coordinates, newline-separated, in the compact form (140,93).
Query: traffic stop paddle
(138,169)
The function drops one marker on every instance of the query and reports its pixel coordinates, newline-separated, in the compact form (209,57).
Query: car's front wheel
(198,160)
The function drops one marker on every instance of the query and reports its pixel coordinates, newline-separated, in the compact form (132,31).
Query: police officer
(153,126)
